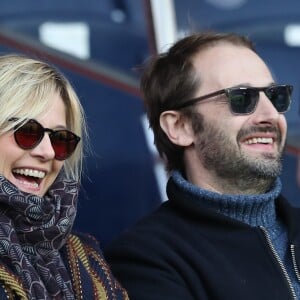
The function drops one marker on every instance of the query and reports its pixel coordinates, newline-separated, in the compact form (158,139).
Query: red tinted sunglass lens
(64,143)
(28,135)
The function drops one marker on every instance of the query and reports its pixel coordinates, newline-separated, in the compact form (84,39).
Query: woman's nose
(44,149)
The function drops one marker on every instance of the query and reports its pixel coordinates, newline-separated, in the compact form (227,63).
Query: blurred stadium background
(99,45)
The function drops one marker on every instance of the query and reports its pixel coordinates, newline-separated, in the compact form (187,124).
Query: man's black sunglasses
(31,133)
(243,100)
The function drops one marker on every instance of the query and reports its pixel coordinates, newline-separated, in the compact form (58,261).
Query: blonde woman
(42,134)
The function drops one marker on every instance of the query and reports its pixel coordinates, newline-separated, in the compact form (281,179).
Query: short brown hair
(169,79)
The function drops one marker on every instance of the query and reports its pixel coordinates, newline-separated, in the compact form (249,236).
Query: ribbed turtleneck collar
(255,210)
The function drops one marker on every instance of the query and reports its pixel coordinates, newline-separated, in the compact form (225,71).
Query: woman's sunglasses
(243,100)
(31,133)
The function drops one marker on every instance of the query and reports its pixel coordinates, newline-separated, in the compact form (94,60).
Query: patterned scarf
(32,231)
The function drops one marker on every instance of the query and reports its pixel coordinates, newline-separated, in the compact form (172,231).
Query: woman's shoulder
(91,275)
(86,239)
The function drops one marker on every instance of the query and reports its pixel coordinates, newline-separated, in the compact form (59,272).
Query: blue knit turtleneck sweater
(254,210)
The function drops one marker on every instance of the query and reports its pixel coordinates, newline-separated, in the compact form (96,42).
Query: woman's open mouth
(31,178)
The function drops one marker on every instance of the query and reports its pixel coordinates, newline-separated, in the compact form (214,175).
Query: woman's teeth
(30,172)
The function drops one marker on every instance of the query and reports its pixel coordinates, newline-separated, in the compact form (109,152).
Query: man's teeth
(259,141)
(30,172)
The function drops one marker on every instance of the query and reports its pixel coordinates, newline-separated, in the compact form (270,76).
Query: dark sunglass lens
(64,143)
(243,100)
(28,135)
(280,96)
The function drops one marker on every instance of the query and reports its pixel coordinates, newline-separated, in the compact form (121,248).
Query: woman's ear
(177,128)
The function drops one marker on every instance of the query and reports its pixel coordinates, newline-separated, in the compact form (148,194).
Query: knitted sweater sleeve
(91,275)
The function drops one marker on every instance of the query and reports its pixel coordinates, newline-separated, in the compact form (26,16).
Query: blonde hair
(26,86)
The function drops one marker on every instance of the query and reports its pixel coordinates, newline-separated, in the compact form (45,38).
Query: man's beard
(236,171)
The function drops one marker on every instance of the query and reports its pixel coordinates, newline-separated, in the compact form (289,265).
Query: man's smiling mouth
(259,140)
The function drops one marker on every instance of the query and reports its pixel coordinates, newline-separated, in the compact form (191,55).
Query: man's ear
(177,128)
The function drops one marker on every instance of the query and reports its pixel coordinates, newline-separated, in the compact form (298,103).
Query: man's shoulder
(158,229)
(152,223)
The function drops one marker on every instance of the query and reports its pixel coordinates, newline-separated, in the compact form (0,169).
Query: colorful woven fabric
(39,258)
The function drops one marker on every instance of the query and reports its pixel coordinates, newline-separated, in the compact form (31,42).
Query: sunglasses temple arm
(195,100)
